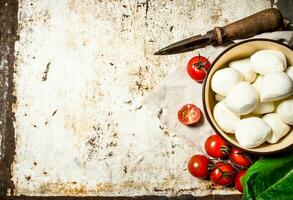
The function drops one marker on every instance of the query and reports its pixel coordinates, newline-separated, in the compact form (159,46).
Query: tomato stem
(237,167)
(198,54)
(215,159)
(225,149)
(211,166)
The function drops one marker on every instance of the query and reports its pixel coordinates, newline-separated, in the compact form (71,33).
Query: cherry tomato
(216,147)
(238,184)
(189,114)
(222,174)
(198,166)
(197,68)
(239,157)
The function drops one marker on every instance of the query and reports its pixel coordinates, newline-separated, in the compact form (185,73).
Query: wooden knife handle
(265,21)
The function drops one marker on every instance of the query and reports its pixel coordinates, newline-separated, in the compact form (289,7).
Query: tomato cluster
(227,165)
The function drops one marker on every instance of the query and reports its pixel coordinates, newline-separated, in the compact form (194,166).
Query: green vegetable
(270,178)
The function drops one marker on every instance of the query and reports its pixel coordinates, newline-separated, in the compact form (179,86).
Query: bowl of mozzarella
(248,96)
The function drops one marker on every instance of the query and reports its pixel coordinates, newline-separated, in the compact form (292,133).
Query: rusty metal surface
(81,71)
(182,197)
(8,35)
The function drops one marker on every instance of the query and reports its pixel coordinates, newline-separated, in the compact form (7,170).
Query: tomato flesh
(189,114)
(198,166)
(240,158)
(216,147)
(197,68)
(238,184)
(222,174)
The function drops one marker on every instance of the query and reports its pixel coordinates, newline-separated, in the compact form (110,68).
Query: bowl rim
(205,107)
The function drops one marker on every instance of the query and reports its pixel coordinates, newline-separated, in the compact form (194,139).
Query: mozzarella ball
(224,80)
(244,67)
(285,111)
(289,71)
(225,118)
(275,86)
(252,132)
(242,99)
(257,83)
(266,61)
(264,107)
(279,128)
(219,97)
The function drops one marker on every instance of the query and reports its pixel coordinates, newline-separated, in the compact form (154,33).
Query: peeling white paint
(83,130)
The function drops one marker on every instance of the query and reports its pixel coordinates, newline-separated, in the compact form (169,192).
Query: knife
(264,21)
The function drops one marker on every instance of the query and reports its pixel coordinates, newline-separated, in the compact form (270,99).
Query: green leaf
(270,177)
(281,189)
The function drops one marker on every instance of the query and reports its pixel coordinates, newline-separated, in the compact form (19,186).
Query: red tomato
(238,184)
(222,174)
(239,157)
(197,68)
(216,147)
(198,166)
(189,114)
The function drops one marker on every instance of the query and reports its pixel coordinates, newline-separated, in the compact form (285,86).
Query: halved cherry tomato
(216,147)
(198,166)
(189,114)
(222,174)
(238,184)
(197,68)
(239,157)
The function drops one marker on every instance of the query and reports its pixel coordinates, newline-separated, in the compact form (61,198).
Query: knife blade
(186,45)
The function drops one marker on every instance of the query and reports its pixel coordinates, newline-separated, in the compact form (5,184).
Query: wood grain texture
(265,21)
